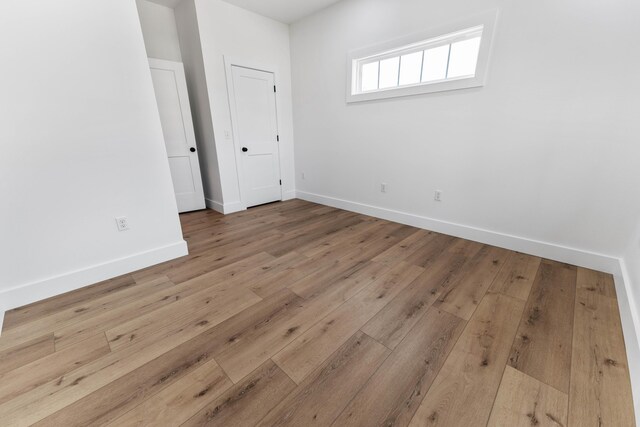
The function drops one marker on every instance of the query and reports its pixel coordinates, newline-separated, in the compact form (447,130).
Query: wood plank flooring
(299,314)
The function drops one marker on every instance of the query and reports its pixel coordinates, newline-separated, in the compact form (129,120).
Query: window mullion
(448,60)
(432,50)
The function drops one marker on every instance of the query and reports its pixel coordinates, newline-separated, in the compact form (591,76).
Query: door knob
(192,149)
(245,149)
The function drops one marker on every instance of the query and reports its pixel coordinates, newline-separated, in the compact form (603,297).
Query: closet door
(177,126)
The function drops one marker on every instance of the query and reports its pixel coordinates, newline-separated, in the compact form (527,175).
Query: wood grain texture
(337,272)
(325,393)
(14,357)
(83,316)
(128,391)
(59,393)
(393,322)
(136,306)
(361,242)
(430,250)
(377,323)
(309,350)
(401,250)
(250,345)
(246,403)
(523,401)
(517,276)
(91,309)
(406,375)
(177,402)
(32,312)
(246,340)
(54,366)
(542,346)
(464,390)
(210,298)
(348,236)
(463,297)
(600,393)
(213,258)
(595,281)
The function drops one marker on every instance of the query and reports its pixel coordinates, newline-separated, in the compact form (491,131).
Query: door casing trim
(229,62)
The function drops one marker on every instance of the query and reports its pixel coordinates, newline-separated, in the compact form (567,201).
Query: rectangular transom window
(447,61)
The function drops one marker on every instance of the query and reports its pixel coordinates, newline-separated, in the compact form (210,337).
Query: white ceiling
(286,11)
(168,3)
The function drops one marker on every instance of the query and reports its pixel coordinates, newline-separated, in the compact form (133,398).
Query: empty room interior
(320,213)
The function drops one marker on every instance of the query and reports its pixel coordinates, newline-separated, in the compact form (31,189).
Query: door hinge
(274,88)
(278,138)
(280,182)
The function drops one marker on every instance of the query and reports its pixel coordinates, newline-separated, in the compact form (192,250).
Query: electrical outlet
(383,187)
(123,223)
(438,196)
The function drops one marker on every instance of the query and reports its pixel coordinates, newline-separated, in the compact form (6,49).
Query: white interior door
(170,86)
(256,132)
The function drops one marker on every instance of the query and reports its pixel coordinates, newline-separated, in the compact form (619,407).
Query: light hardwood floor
(300,314)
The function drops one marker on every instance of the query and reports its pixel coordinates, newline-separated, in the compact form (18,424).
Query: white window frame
(442,35)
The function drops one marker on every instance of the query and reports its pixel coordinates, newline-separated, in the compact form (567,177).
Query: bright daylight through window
(422,63)
(453,56)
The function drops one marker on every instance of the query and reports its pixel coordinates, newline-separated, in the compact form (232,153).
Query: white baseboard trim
(229,208)
(46,288)
(552,251)
(288,195)
(224,208)
(630,317)
(629,313)
(212,204)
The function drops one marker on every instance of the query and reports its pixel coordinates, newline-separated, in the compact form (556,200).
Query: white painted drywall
(628,287)
(286,11)
(159,30)
(547,150)
(224,29)
(191,48)
(631,269)
(81,144)
(632,261)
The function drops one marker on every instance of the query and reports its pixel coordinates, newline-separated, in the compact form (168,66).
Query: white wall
(632,264)
(547,150)
(191,48)
(628,288)
(544,158)
(252,39)
(81,144)
(159,31)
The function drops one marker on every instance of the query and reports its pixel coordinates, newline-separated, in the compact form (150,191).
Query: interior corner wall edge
(53,286)
(159,31)
(86,147)
(545,150)
(629,313)
(224,208)
(227,30)
(553,251)
(628,285)
(630,316)
(197,86)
